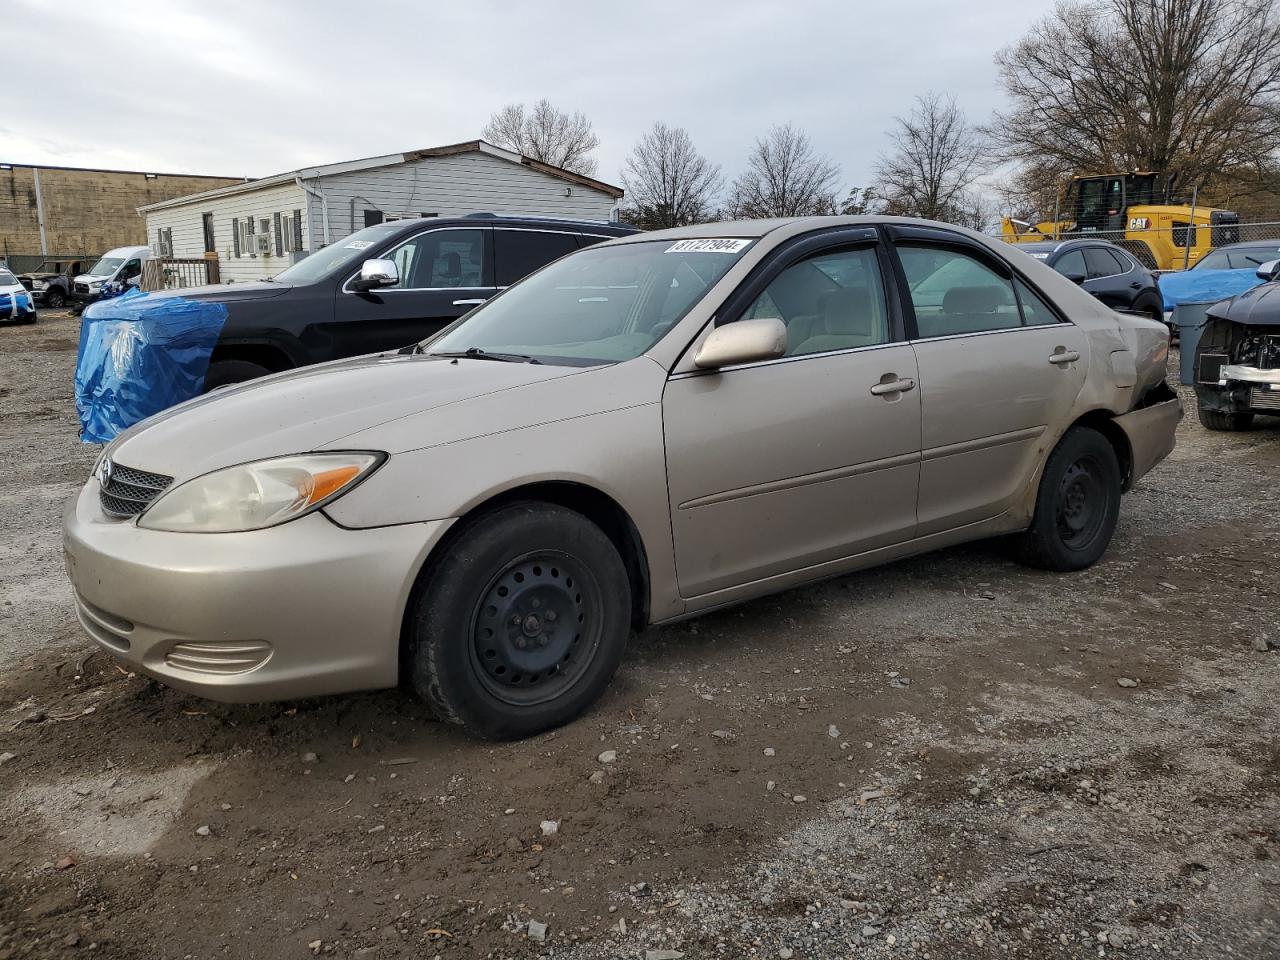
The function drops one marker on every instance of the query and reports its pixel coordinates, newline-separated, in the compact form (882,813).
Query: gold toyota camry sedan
(645,430)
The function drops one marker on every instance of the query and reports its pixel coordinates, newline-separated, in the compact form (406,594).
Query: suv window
(517,253)
(1071,264)
(833,300)
(954,293)
(440,260)
(1101,263)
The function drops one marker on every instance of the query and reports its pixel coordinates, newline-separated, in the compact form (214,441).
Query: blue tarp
(1205,286)
(140,354)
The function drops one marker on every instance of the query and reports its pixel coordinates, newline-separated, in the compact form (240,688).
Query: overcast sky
(247,88)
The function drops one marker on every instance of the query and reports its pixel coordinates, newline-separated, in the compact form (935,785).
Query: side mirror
(1078,278)
(377,273)
(746,341)
(1269,271)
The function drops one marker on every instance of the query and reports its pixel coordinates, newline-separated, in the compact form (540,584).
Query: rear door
(444,272)
(997,366)
(1109,279)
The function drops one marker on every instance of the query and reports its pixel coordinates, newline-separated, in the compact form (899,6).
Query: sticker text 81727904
(709,245)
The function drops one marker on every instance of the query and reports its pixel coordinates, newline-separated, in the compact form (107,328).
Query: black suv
(346,299)
(1107,271)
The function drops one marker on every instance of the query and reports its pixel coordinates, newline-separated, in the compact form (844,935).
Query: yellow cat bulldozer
(1137,212)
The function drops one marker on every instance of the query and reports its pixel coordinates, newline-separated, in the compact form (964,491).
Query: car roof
(1250,243)
(596,227)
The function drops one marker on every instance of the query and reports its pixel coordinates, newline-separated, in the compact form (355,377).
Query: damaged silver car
(1237,365)
(645,430)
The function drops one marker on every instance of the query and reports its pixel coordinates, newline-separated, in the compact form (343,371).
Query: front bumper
(303,609)
(1242,389)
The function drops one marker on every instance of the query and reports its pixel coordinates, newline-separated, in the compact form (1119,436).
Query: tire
(223,373)
(55,299)
(1077,506)
(482,647)
(1216,420)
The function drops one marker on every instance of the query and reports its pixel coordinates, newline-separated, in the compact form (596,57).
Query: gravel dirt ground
(949,757)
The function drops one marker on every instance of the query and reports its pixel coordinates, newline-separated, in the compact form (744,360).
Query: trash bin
(1190,320)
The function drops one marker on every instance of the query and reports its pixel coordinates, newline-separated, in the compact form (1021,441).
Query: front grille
(1261,399)
(82,288)
(127,491)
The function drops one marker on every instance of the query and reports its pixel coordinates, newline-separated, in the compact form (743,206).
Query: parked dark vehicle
(1237,369)
(1107,271)
(50,283)
(381,288)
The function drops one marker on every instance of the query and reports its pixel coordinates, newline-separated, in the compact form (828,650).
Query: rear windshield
(599,305)
(1240,258)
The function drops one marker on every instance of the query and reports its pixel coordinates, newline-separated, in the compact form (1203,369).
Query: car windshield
(600,305)
(7,279)
(1239,258)
(337,257)
(106,266)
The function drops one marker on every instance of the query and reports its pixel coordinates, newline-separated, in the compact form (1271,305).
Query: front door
(785,464)
(443,274)
(997,367)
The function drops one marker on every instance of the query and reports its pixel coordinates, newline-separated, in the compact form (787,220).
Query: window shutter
(253,241)
(235,233)
(297,229)
(275,222)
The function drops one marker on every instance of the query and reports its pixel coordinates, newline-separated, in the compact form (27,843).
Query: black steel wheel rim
(1082,503)
(536,628)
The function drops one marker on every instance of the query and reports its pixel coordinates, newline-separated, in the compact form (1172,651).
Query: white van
(119,265)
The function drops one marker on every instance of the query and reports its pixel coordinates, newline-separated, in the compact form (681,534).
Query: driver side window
(441,260)
(833,300)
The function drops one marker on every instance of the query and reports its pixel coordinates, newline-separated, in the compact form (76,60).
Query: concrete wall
(85,211)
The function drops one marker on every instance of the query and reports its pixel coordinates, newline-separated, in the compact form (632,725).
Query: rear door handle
(1065,356)
(893,386)
(468,303)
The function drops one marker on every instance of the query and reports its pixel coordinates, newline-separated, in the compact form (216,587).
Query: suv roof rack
(486,215)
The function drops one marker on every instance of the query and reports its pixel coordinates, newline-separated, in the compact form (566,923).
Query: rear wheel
(1216,420)
(521,624)
(1077,506)
(223,373)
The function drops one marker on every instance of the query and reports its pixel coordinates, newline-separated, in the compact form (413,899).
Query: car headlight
(38,284)
(252,496)
(94,284)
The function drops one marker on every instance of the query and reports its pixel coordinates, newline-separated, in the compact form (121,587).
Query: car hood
(1259,307)
(311,408)
(227,292)
(37,276)
(1204,286)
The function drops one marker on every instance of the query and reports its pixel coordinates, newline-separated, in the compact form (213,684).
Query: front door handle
(885,387)
(468,303)
(1065,356)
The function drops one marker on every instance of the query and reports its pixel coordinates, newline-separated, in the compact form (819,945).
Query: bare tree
(1190,88)
(545,133)
(668,183)
(936,159)
(784,178)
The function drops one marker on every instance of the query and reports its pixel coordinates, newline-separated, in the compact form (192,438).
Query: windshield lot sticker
(722,245)
(358,245)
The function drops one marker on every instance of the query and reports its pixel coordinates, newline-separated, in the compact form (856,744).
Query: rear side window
(517,253)
(1101,263)
(1035,312)
(953,293)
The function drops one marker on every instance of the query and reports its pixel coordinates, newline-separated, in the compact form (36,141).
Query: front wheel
(1217,420)
(223,373)
(54,299)
(1077,506)
(521,624)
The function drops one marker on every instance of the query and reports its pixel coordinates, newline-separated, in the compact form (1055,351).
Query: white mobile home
(258,228)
